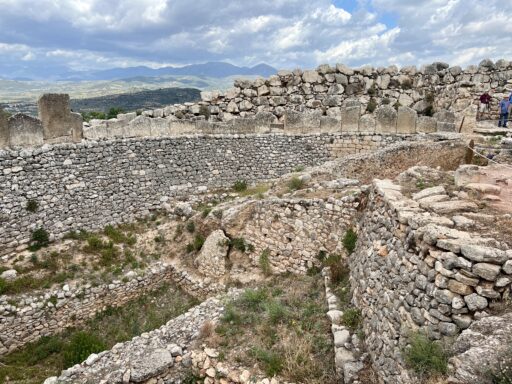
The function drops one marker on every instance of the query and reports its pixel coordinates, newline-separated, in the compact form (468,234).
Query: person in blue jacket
(503,109)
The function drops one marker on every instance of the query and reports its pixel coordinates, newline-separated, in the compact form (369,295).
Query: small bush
(218,213)
(252,299)
(3,286)
(196,245)
(190,227)
(206,211)
(386,101)
(240,186)
(272,362)
(397,105)
(239,243)
(295,184)
(372,91)
(425,357)
(113,112)
(372,106)
(39,239)
(350,240)
(32,206)
(276,312)
(77,235)
(81,345)
(352,318)
(299,168)
(264,262)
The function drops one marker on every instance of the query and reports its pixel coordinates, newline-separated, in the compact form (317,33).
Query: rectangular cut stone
(159,127)
(138,127)
(367,124)
(4,129)
(182,127)
(350,118)
(57,118)
(406,120)
(296,122)
(329,125)
(386,117)
(426,124)
(25,131)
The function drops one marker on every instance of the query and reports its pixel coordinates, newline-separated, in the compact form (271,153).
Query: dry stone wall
(415,270)
(49,312)
(92,184)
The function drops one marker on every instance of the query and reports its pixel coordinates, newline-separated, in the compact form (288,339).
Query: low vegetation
(350,240)
(264,262)
(240,186)
(39,239)
(48,356)
(426,357)
(296,183)
(282,328)
(32,205)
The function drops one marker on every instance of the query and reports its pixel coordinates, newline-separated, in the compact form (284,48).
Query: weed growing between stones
(352,319)
(39,239)
(32,205)
(350,240)
(49,355)
(190,227)
(197,244)
(264,262)
(295,184)
(282,328)
(240,186)
(241,244)
(426,357)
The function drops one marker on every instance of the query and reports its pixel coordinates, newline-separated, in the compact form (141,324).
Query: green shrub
(88,116)
(3,286)
(425,356)
(372,106)
(81,345)
(113,112)
(299,168)
(196,245)
(240,186)
(272,363)
(190,226)
(352,318)
(39,239)
(252,299)
(206,211)
(77,235)
(118,237)
(276,312)
(350,240)
(32,205)
(295,184)
(264,262)
(239,243)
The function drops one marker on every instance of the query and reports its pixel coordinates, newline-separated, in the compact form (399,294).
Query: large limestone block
(56,117)
(211,260)
(159,127)
(182,127)
(445,121)
(296,122)
(25,131)
(311,77)
(350,113)
(426,124)
(386,118)
(367,124)
(263,121)
(138,127)
(329,124)
(406,120)
(4,129)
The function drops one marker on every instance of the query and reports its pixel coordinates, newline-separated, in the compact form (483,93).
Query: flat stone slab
(439,190)
(452,206)
(426,202)
(484,188)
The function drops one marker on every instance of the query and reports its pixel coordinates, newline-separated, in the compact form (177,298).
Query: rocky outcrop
(211,260)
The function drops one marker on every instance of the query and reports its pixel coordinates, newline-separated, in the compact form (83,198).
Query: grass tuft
(425,357)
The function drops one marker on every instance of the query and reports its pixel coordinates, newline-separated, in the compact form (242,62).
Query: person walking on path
(503,109)
(485,99)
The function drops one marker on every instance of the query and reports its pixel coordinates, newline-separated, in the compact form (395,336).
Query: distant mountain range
(211,70)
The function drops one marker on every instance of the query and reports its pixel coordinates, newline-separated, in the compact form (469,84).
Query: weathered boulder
(426,124)
(211,260)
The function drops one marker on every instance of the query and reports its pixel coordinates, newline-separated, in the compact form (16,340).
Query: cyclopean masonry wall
(414,270)
(92,184)
(338,92)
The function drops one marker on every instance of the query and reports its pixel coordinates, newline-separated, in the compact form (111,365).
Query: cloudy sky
(61,35)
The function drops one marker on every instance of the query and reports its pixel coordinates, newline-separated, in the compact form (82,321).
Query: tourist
(485,99)
(503,109)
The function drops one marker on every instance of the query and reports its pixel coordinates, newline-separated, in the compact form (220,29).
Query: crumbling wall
(24,131)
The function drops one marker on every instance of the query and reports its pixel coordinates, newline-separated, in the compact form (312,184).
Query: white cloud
(285,33)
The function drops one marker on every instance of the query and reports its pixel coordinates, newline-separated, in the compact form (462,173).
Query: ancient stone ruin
(316,243)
